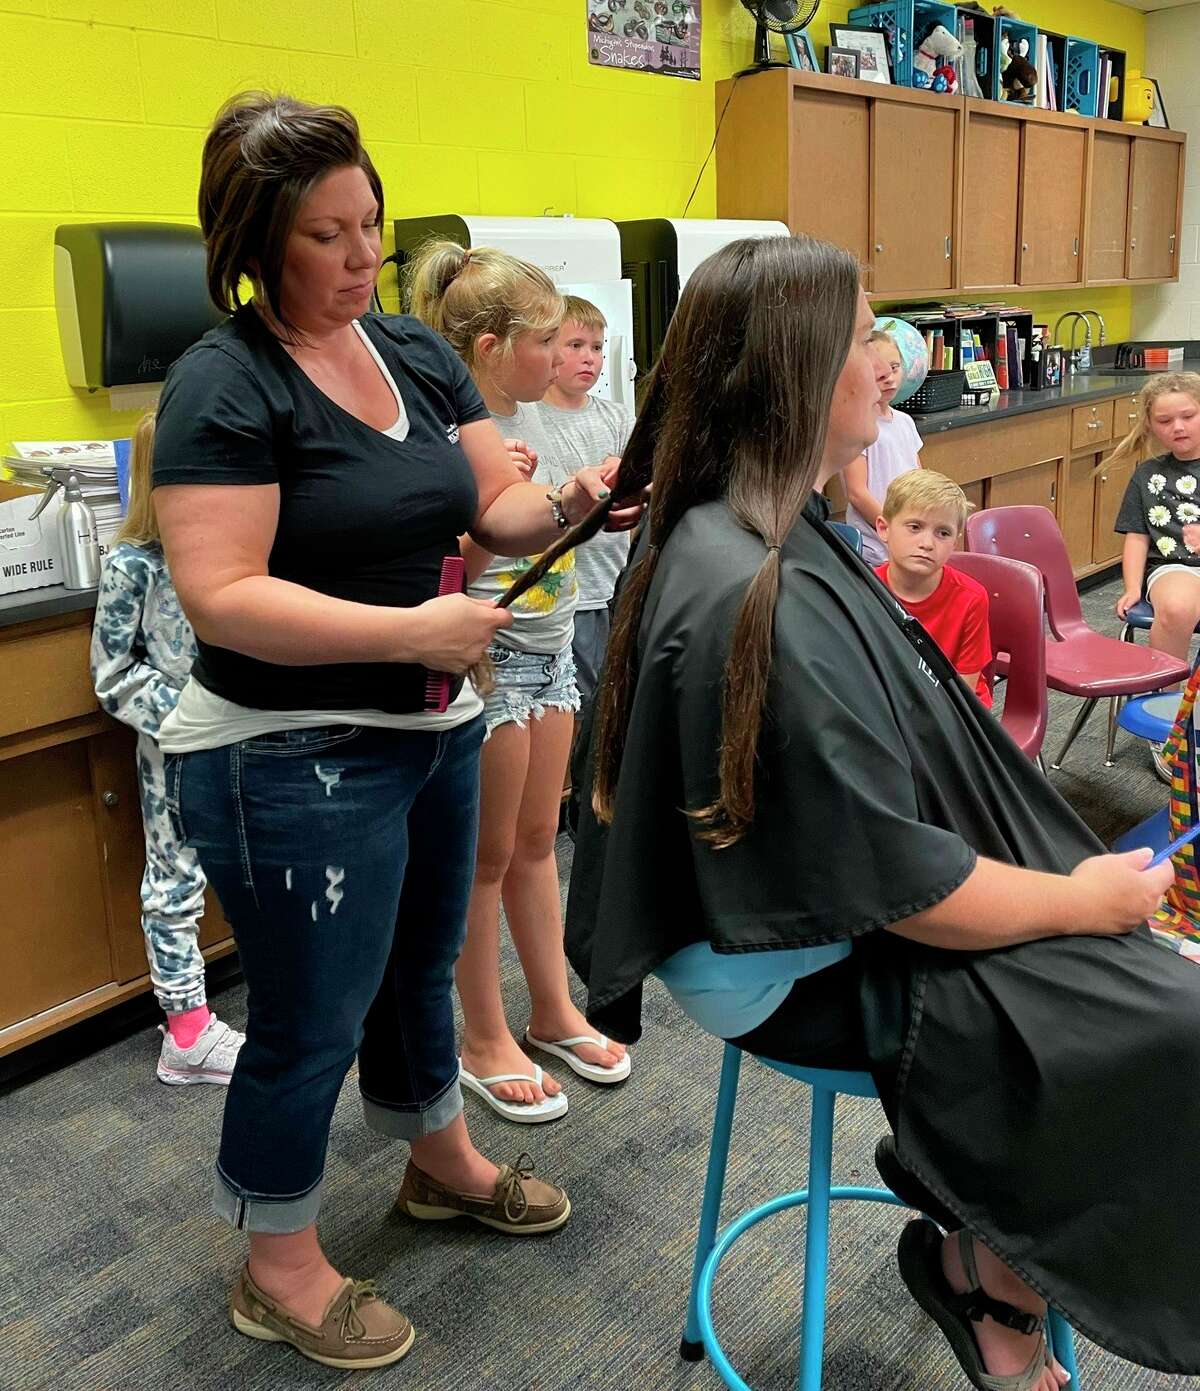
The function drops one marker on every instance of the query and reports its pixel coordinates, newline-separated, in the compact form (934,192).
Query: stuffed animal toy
(934,59)
(1018,76)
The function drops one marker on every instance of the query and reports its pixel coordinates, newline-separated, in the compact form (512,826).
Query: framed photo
(800,51)
(871,45)
(1052,364)
(842,62)
(1158,117)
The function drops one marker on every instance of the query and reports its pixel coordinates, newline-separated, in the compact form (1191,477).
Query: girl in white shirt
(894,452)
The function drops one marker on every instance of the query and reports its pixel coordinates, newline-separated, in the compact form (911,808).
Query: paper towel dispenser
(131,297)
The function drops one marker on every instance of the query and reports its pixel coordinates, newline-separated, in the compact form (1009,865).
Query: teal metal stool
(699,1336)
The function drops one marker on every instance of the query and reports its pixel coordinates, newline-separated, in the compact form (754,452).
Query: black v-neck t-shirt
(362,516)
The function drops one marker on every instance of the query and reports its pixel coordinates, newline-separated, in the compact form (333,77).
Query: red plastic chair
(1016,602)
(1079,660)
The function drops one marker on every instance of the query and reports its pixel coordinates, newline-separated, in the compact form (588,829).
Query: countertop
(47,602)
(1076,390)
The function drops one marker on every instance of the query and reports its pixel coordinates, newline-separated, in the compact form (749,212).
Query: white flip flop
(593,1072)
(523,1112)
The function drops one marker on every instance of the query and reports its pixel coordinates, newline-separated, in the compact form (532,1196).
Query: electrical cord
(393,259)
(713,146)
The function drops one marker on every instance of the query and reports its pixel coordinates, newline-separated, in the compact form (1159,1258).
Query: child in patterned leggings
(142,652)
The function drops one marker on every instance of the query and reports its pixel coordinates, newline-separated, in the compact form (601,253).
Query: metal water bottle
(77,538)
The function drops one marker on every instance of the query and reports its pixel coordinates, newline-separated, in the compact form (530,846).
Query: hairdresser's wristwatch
(555,499)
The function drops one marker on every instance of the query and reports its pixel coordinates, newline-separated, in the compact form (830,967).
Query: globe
(914,355)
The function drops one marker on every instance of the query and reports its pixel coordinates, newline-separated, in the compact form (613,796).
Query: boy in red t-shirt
(923,515)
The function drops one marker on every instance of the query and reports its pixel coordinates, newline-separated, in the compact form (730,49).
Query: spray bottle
(78,543)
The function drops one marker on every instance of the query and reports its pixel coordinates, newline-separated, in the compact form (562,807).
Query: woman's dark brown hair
(736,407)
(261,159)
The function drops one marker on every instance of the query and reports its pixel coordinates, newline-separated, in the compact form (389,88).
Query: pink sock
(187,1027)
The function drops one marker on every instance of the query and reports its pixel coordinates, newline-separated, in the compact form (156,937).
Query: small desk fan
(777,17)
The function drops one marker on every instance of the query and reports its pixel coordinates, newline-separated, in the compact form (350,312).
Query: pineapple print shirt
(544,616)
(1162,498)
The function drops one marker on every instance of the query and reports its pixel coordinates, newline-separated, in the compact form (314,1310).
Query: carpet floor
(113,1273)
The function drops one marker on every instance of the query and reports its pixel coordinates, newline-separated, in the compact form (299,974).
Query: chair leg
(1127,633)
(816,1240)
(1062,1345)
(1114,709)
(691,1348)
(1080,720)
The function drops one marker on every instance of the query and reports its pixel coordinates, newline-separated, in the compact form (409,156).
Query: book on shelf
(1102,86)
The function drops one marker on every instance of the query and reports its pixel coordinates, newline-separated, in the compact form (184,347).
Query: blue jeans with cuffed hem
(343,859)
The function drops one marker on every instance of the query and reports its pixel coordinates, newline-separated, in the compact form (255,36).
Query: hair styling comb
(437,683)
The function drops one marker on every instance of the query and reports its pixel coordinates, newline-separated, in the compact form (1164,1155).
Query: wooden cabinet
(1108,213)
(1036,486)
(1110,490)
(70,931)
(1155,197)
(991,200)
(936,193)
(1076,516)
(831,133)
(914,151)
(870,168)
(1053,161)
(1091,425)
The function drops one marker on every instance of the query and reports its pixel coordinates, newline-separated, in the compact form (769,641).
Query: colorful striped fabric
(1176,924)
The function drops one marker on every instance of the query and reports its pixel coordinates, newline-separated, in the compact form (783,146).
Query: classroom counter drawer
(1000,446)
(1125,415)
(1092,424)
(45,678)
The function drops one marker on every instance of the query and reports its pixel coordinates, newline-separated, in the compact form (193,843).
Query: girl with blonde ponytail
(784,762)
(502,316)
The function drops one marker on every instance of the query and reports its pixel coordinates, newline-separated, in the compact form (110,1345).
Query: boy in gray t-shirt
(580,431)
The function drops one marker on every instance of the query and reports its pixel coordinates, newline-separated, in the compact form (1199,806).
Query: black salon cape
(1047,1092)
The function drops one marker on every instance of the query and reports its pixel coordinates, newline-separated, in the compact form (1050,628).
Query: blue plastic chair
(1138,618)
(1150,716)
(850,534)
(697,978)
(1155,832)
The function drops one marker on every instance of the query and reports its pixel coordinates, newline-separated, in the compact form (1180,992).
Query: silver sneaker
(1161,766)
(210,1059)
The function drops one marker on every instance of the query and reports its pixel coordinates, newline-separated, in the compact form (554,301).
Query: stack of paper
(94,463)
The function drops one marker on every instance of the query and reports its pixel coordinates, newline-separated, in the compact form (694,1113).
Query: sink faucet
(1078,359)
(1099,318)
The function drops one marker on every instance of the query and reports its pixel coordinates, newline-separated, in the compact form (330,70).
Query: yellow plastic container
(1139,98)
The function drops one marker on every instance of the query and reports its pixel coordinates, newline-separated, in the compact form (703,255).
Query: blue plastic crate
(1078,88)
(1018,34)
(927,15)
(895,18)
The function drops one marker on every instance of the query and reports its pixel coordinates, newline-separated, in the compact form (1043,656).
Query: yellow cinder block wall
(466,105)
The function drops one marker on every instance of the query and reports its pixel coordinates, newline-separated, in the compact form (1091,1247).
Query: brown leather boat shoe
(519,1205)
(359,1330)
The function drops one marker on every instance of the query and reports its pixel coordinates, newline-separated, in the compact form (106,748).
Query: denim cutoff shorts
(528,684)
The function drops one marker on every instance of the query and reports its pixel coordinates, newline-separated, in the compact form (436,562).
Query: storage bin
(1018,34)
(940,391)
(1078,87)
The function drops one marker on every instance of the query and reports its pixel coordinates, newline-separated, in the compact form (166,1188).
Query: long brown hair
(1134,445)
(737,406)
(261,159)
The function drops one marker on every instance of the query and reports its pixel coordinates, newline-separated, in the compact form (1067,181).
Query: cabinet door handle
(1171,245)
(1075,251)
(110,799)
(1133,415)
(1104,478)
(1053,491)
(947,246)
(1024,246)
(1133,243)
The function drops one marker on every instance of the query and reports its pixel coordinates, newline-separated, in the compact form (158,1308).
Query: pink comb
(437,683)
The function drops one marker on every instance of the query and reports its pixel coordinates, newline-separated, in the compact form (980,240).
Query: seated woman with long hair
(782,759)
